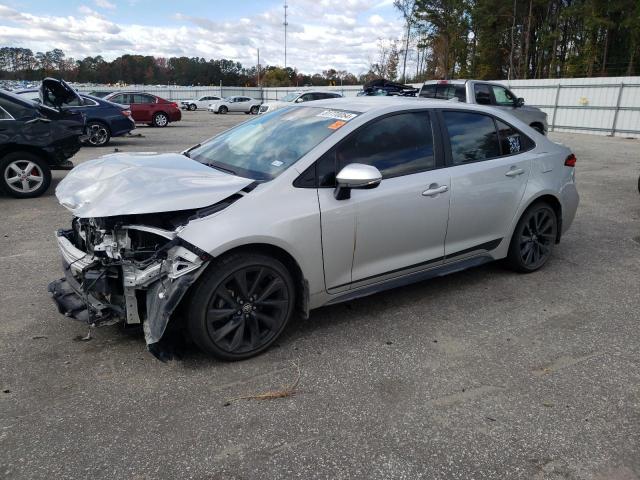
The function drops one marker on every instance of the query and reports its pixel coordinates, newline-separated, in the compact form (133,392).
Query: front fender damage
(162,300)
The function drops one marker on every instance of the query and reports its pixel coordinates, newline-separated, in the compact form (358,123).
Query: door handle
(434,190)
(514,172)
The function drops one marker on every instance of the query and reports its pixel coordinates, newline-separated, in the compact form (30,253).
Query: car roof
(444,82)
(382,103)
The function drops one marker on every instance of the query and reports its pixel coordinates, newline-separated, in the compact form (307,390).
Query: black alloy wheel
(241,306)
(534,238)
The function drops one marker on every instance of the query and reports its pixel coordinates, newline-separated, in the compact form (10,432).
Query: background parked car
(35,139)
(105,119)
(100,93)
(236,104)
(202,102)
(147,108)
(298,97)
(384,88)
(486,93)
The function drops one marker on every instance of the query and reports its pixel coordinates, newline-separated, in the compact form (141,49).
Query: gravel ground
(484,374)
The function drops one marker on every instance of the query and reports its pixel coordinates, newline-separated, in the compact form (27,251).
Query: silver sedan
(235,104)
(307,206)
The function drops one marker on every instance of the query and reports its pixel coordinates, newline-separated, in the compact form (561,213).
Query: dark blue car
(104,119)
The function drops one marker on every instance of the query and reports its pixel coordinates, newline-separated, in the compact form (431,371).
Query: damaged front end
(117,270)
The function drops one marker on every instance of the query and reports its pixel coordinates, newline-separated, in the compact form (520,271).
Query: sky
(322,34)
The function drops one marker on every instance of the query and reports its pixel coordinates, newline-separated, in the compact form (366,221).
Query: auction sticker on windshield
(338,115)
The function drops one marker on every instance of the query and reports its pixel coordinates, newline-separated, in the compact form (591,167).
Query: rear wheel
(24,175)
(98,133)
(223,109)
(160,119)
(241,306)
(533,238)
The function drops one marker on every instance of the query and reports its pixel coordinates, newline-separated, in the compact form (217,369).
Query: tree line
(22,64)
(486,39)
(513,39)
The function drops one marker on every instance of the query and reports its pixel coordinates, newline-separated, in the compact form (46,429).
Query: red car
(147,108)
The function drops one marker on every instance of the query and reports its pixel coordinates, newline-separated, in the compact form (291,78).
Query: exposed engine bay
(132,269)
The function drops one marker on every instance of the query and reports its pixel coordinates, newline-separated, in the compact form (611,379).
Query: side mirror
(519,102)
(356,175)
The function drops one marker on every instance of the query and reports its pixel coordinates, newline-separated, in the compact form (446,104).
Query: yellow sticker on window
(337,124)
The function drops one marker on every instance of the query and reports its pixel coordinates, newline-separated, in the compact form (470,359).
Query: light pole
(285,23)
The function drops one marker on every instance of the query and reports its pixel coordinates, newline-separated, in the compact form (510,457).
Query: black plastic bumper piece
(72,302)
(69,303)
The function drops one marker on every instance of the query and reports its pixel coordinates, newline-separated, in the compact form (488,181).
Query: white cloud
(376,20)
(322,34)
(104,4)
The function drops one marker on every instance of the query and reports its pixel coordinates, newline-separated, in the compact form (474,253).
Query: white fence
(601,106)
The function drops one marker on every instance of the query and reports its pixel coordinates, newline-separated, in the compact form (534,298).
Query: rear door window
(139,98)
(482,93)
(473,136)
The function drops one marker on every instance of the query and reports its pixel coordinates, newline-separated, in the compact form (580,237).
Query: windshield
(263,148)
(290,97)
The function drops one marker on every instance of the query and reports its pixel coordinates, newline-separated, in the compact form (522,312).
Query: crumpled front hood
(137,183)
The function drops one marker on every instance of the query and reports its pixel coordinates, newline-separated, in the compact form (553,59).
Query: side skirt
(412,278)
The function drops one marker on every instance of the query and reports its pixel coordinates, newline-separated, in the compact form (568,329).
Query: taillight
(126,113)
(570,161)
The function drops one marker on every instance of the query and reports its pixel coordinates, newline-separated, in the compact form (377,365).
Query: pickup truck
(486,93)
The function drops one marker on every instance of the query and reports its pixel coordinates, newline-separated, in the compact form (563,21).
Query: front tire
(254,110)
(192,107)
(24,175)
(160,119)
(533,239)
(223,110)
(241,305)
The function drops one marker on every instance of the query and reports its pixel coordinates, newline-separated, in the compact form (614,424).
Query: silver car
(297,97)
(235,104)
(310,205)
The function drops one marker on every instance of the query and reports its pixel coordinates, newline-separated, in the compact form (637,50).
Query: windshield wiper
(218,167)
(186,152)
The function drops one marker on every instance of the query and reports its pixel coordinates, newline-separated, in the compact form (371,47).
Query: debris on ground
(86,338)
(286,391)
(39,337)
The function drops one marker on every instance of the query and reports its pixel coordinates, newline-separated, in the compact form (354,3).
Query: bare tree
(407,9)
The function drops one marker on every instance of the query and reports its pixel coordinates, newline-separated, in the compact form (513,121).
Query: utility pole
(285,23)
(258,67)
